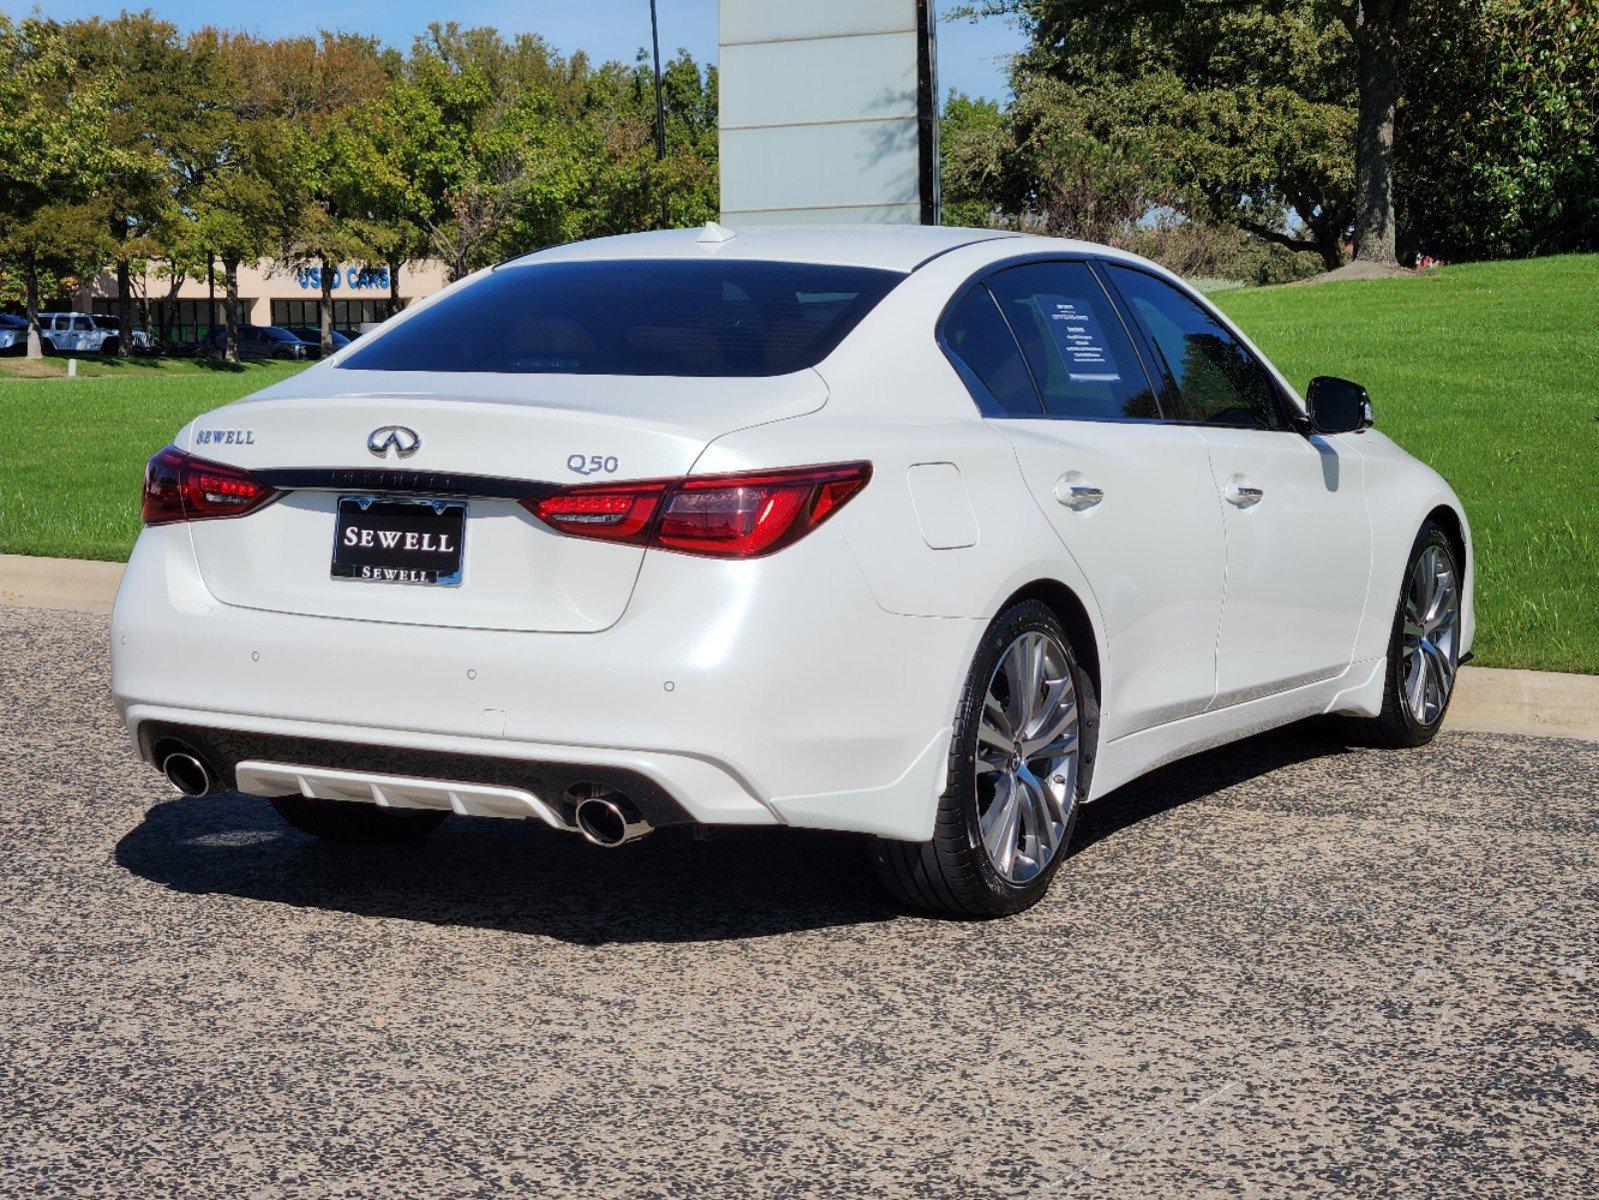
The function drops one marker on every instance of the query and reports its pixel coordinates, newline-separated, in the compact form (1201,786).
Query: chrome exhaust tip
(188,774)
(609,821)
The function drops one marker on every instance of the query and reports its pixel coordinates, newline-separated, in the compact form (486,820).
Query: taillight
(724,516)
(180,487)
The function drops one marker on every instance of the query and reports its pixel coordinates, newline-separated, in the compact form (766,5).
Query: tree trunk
(1376,30)
(210,299)
(395,303)
(324,309)
(124,309)
(30,284)
(169,309)
(230,276)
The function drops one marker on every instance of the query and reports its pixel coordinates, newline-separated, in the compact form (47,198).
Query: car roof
(889,247)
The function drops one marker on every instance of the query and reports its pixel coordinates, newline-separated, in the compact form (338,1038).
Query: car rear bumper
(774,691)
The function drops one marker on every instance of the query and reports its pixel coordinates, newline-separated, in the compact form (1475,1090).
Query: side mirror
(1337,406)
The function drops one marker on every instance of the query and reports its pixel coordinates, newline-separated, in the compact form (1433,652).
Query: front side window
(1219,381)
(707,317)
(1080,355)
(981,343)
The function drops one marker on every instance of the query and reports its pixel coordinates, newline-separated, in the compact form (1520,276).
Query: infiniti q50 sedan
(932,535)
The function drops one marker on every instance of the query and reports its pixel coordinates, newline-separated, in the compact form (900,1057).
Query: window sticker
(1078,336)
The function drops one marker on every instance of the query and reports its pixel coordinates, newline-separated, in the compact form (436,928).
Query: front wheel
(1018,769)
(356,823)
(1423,648)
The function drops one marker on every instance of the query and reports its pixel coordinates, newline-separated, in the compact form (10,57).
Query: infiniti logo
(402,439)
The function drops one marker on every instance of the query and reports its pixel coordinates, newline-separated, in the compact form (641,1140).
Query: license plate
(385,540)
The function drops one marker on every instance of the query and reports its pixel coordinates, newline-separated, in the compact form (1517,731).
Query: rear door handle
(1076,493)
(1240,492)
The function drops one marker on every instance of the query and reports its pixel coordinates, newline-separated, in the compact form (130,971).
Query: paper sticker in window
(1078,336)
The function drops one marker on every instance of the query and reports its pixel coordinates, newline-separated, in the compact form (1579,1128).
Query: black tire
(110,346)
(357,824)
(952,874)
(1396,727)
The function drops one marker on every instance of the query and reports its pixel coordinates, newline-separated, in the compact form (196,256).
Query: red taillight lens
(725,516)
(180,487)
(617,514)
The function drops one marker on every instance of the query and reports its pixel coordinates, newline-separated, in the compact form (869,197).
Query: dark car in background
(13,334)
(259,341)
(314,336)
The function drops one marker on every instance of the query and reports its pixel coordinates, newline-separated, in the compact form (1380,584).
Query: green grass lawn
(1490,374)
(72,450)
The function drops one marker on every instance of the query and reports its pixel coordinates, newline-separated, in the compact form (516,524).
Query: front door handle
(1076,493)
(1240,492)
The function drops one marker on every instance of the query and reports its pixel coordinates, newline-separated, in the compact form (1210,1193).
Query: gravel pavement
(1280,968)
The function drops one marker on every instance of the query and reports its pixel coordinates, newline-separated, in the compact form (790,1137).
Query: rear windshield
(643,317)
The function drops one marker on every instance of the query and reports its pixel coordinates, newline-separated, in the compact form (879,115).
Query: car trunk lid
(484,440)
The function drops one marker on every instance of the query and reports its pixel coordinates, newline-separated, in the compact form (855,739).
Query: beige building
(270,293)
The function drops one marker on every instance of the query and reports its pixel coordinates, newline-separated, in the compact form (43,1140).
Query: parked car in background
(260,341)
(13,334)
(87,333)
(314,337)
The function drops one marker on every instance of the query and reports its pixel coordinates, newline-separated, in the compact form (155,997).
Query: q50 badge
(592,464)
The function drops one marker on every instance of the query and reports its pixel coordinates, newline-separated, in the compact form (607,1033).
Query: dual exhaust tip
(604,818)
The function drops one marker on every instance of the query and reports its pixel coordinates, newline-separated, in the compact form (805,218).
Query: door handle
(1076,493)
(1240,492)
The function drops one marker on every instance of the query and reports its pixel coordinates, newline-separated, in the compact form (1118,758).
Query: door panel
(1298,559)
(1298,537)
(1152,548)
(1131,498)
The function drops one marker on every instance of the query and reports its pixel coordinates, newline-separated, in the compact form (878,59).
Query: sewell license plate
(386,540)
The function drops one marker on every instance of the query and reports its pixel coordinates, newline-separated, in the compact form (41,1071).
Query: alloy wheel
(1028,741)
(1431,637)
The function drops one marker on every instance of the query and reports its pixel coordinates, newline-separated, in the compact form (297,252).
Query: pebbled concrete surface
(1282,968)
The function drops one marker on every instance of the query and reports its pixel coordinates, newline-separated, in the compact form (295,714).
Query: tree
(1376,27)
(245,196)
(138,58)
(320,91)
(1497,135)
(1237,111)
(54,163)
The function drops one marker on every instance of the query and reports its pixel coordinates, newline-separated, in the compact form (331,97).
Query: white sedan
(928,534)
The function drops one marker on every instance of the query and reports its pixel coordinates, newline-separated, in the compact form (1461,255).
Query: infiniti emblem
(402,439)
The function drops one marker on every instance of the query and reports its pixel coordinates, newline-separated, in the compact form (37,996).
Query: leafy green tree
(55,165)
(1232,111)
(137,57)
(319,91)
(976,155)
(245,196)
(1497,149)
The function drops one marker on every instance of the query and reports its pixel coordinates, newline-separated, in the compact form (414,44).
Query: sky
(971,55)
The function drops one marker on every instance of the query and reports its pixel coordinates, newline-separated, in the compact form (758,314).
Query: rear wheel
(1017,772)
(1423,649)
(356,823)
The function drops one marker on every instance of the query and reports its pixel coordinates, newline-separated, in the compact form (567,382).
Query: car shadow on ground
(518,876)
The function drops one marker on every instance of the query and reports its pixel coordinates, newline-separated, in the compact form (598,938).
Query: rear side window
(1220,382)
(1074,342)
(639,317)
(981,343)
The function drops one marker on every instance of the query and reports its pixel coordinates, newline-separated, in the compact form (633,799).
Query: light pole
(660,106)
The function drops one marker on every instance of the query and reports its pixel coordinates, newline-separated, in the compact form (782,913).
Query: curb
(1486,700)
(70,584)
